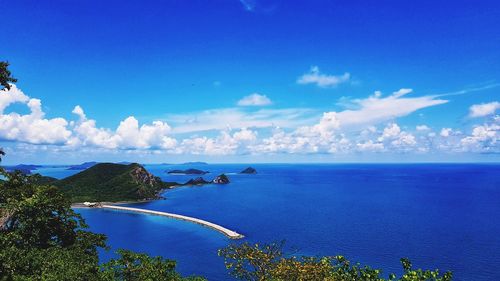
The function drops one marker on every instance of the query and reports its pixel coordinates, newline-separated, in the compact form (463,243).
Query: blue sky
(251,81)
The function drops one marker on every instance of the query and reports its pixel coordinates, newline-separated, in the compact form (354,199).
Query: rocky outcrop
(249,170)
(188,172)
(221,179)
(196,181)
(142,176)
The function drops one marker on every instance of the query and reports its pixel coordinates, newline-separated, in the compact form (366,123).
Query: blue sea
(444,216)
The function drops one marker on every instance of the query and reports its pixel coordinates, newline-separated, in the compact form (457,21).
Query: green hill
(111,182)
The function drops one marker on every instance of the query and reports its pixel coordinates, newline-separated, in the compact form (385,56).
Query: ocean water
(444,216)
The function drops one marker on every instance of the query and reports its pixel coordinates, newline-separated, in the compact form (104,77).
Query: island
(221,179)
(197,181)
(23,168)
(188,172)
(112,182)
(82,166)
(195,163)
(249,170)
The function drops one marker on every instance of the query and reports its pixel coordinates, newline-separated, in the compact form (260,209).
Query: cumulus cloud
(446,132)
(254,99)
(32,127)
(484,138)
(224,144)
(314,76)
(128,135)
(484,109)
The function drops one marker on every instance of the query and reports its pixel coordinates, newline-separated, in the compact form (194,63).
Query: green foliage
(41,237)
(268,262)
(108,182)
(5,75)
(133,266)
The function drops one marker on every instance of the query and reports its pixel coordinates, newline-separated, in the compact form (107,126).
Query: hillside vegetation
(111,182)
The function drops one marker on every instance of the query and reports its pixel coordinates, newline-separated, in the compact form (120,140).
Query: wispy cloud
(376,109)
(469,90)
(314,76)
(249,5)
(254,99)
(220,119)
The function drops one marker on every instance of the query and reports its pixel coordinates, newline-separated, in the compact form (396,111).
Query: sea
(444,216)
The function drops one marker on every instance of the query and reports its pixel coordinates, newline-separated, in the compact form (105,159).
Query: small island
(249,170)
(188,172)
(221,179)
(196,181)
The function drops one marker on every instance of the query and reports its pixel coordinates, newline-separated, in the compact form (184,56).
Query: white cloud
(220,119)
(314,76)
(370,145)
(446,132)
(484,138)
(421,128)
(8,97)
(32,127)
(128,135)
(484,109)
(223,144)
(377,109)
(254,99)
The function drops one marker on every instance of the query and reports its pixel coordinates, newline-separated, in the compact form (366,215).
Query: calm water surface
(443,216)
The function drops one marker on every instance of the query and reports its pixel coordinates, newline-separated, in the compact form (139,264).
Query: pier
(229,233)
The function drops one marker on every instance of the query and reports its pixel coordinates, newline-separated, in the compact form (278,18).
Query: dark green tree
(5,75)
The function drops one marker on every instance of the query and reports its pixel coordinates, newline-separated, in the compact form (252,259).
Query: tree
(5,75)
(268,262)
(41,237)
(133,266)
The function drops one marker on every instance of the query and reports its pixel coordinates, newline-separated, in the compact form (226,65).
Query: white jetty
(229,233)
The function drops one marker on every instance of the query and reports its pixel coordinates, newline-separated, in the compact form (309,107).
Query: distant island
(83,166)
(188,172)
(249,170)
(195,163)
(23,168)
(220,179)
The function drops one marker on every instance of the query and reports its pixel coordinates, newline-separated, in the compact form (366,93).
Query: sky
(251,81)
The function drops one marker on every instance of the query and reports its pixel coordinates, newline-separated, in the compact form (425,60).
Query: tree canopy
(5,75)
